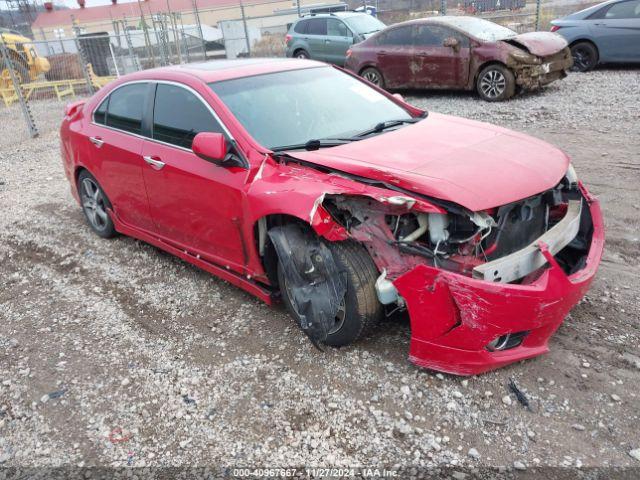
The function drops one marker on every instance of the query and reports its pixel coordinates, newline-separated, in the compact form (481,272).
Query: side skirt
(253,288)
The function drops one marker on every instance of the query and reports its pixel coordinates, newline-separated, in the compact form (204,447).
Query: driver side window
(178,116)
(435,35)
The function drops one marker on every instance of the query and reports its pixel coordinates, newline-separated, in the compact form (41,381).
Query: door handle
(97,141)
(155,162)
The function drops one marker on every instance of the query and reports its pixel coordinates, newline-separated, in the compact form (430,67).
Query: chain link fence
(73,60)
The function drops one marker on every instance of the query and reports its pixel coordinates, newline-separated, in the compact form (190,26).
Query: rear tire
(95,205)
(585,56)
(496,83)
(302,54)
(361,308)
(373,75)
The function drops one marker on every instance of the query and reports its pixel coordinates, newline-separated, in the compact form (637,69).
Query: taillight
(555,28)
(287,39)
(349,52)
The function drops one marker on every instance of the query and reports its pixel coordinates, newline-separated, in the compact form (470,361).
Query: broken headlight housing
(525,57)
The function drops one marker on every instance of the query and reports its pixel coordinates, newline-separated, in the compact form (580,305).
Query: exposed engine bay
(502,239)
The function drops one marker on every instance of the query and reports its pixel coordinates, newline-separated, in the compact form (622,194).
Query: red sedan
(292,179)
(460,53)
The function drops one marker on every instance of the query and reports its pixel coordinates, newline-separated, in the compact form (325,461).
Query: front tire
(95,205)
(360,308)
(585,56)
(373,75)
(496,83)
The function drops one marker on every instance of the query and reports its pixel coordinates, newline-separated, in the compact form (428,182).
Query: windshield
(481,29)
(364,23)
(293,107)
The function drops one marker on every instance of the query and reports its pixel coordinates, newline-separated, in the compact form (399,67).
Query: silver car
(605,33)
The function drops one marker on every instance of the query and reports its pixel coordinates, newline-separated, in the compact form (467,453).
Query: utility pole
(246,30)
(298,5)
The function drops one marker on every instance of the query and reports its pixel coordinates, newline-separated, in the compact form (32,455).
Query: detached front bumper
(552,68)
(454,318)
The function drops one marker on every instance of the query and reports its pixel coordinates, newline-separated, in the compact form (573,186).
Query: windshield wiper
(382,126)
(314,144)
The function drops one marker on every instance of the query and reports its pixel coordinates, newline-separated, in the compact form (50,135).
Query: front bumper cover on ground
(454,318)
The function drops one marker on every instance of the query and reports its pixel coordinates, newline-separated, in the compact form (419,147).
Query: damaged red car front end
(465,326)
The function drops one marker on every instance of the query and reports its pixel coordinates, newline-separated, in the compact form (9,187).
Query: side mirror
(399,97)
(452,42)
(210,146)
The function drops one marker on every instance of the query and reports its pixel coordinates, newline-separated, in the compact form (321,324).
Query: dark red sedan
(297,181)
(463,53)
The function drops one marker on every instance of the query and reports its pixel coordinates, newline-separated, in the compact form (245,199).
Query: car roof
(332,14)
(219,70)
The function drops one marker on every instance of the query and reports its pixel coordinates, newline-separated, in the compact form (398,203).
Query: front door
(114,137)
(617,32)
(194,203)
(338,40)
(437,65)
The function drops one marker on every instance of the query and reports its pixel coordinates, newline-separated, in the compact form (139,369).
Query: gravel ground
(114,353)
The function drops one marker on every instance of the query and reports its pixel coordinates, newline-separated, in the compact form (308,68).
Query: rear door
(195,204)
(437,65)
(115,136)
(616,29)
(338,40)
(315,37)
(394,56)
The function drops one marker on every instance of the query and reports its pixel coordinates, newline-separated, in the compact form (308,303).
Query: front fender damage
(314,285)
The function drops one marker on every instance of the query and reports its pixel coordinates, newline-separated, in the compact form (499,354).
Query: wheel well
(298,50)
(585,40)
(485,65)
(368,66)
(77,173)
(270,257)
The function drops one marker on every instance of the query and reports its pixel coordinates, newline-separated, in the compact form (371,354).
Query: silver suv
(328,36)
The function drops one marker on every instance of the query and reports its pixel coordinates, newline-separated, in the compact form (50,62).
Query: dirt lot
(114,353)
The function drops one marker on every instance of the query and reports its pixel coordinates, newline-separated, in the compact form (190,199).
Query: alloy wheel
(581,59)
(93,204)
(493,84)
(372,76)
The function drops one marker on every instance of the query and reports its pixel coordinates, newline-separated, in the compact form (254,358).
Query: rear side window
(125,108)
(397,36)
(178,115)
(100,113)
(317,26)
(301,26)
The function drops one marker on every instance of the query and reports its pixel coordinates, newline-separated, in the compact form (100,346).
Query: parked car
(351,204)
(605,33)
(460,53)
(327,37)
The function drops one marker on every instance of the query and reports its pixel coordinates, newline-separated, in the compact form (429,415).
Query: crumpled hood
(473,164)
(541,44)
